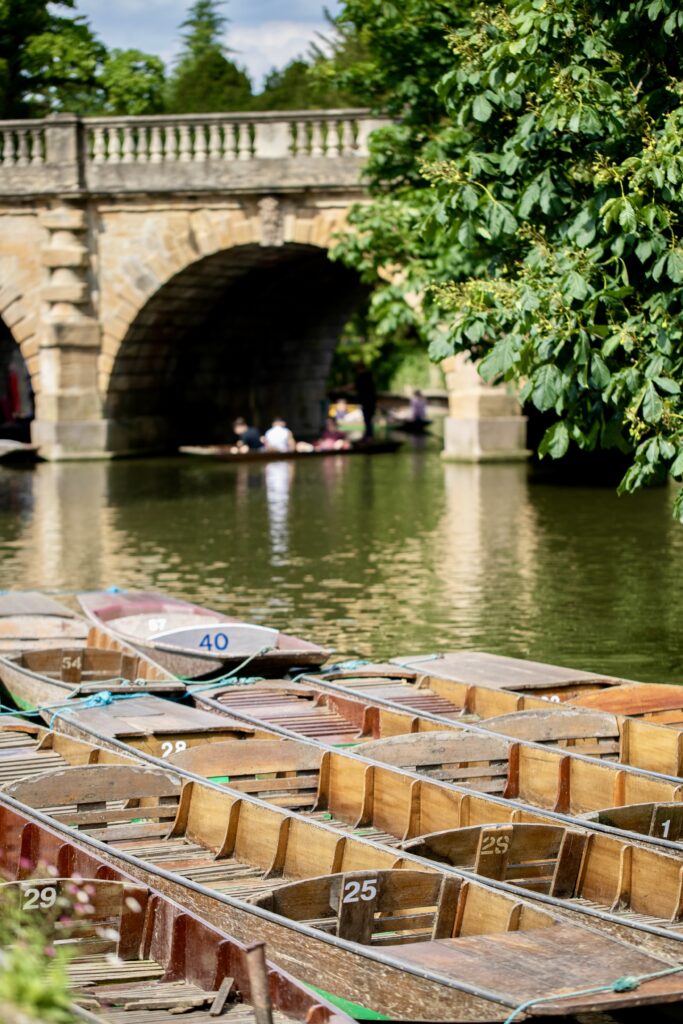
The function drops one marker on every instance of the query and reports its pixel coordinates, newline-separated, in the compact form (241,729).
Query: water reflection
(278,478)
(393,554)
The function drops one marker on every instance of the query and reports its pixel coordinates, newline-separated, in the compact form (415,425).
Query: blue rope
(625,984)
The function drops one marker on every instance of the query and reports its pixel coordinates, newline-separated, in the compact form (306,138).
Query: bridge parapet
(276,151)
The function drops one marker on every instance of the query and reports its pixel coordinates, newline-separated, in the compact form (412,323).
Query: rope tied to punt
(627,983)
(231,678)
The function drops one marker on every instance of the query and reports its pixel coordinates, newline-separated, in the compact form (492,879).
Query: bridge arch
(240,315)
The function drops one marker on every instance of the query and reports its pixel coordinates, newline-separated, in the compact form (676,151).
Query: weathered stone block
(72,334)
(74,291)
(64,219)
(64,256)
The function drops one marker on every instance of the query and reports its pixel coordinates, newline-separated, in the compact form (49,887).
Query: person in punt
(279,438)
(248,438)
(331,439)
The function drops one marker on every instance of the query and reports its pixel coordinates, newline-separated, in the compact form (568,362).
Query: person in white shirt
(279,438)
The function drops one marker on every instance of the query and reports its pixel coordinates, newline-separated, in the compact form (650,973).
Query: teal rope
(231,678)
(346,666)
(626,984)
(408,662)
(97,700)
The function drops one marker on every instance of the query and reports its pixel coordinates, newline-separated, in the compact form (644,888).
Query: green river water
(377,556)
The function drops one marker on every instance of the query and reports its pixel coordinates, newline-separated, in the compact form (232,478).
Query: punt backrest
(378,908)
(88,916)
(468,759)
(109,801)
(664,820)
(545,858)
(594,733)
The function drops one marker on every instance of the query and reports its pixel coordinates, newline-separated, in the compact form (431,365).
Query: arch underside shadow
(16,394)
(248,331)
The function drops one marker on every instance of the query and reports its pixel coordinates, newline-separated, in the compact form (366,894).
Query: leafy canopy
(556,172)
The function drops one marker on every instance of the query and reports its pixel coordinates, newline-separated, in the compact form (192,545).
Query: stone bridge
(162,274)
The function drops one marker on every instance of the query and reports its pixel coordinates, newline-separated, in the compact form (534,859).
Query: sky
(263,33)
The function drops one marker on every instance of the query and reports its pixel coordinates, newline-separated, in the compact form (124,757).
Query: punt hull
(32,690)
(104,610)
(392,988)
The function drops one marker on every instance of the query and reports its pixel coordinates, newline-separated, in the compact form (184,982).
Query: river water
(390,555)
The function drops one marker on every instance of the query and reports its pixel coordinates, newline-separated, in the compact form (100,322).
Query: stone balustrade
(234,151)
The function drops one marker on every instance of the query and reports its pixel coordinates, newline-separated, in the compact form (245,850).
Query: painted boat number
(665,827)
(354,891)
(168,748)
(156,625)
(495,844)
(72,661)
(39,899)
(220,641)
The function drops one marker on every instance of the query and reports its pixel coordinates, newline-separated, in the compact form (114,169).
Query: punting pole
(258,981)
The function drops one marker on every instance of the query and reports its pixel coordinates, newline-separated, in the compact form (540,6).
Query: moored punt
(655,702)
(29,619)
(190,641)
(605,877)
(369,924)
(500,672)
(45,677)
(330,713)
(150,724)
(535,774)
(135,956)
(585,724)
(226,453)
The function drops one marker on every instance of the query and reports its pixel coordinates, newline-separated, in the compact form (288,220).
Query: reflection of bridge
(169,272)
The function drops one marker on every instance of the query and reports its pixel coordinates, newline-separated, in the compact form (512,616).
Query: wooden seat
(377,908)
(91,916)
(664,820)
(545,858)
(282,772)
(108,801)
(593,733)
(467,759)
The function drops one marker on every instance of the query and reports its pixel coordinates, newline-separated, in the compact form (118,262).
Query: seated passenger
(331,439)
(279,438)
(248,438)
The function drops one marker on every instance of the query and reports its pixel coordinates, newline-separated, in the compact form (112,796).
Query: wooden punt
(386,805)
(374,925)
(151,725)
(541,775)
(29,619)
(135,957)
(224,452)
(653,702)
(39,677)
(648,742)
(190,641)
(517,674)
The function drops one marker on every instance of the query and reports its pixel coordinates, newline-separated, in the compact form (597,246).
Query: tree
(556,198)
(402,52)
(204,79)
(134,83)
(48,59)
